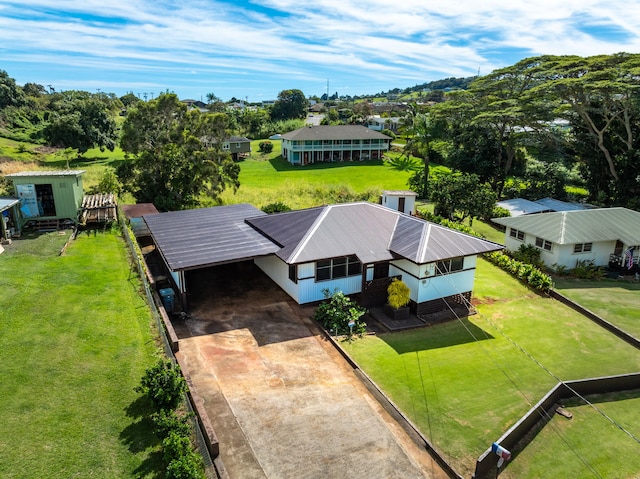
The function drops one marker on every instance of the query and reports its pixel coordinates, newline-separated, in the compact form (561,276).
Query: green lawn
(465,382)
(616,301)
(76,338)
(598,444)
(269,178)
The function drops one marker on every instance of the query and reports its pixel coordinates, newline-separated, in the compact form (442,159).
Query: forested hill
(446,83)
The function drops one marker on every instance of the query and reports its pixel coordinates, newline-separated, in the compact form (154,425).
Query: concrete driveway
(282,401)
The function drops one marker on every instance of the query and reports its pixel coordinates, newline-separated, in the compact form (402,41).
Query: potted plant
(398,297)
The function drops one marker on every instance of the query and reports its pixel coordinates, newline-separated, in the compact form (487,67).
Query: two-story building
(323,143)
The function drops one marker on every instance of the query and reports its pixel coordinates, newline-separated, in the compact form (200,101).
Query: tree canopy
(179,161)
(291,104)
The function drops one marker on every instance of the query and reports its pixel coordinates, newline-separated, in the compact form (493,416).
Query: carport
(201,238)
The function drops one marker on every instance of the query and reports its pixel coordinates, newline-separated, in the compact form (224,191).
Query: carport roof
(204,237)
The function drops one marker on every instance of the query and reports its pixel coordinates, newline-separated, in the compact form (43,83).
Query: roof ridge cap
(307,236)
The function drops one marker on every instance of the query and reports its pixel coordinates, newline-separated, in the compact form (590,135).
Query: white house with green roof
(604,236)
(324,143)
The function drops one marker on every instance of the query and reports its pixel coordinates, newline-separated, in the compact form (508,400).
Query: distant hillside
(437,85)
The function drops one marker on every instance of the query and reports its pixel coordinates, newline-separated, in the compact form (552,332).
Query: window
(293,272)
(544,244)
(517,234)
(226,146)
(582,247)
(449,266)
(327,269)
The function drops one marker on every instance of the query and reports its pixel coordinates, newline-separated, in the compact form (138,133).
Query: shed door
(46,204)
(401,201)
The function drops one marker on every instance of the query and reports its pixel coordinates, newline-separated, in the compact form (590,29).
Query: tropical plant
(337,312)
(398,294)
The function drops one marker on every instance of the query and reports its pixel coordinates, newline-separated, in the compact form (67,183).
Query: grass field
(616,301)
(600,448)
(269,178)
(76,338)
(465,382)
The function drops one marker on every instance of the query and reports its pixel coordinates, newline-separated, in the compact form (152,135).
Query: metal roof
(371,232)
(139,210)
(557,205)
(520,206)
(6,203)
(580,226)
(198,238)
(337,132)
(47,173)
(423,242)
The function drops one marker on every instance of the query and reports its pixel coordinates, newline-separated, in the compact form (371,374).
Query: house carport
(202,238)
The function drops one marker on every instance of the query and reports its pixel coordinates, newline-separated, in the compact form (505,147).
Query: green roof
(580,226)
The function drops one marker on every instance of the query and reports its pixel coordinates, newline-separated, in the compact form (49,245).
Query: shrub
(277,207)
(588,270)
(182,461)
(170,421)
(163,384)
(528,253)
(337,311)
(527,273)
(499,212)
(399,294)
(265,147)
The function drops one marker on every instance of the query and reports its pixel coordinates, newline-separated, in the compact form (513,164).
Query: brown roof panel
(204,237)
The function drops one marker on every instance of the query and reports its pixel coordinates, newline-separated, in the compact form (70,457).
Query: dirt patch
(47,150)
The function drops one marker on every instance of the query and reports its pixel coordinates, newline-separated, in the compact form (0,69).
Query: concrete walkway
(285,404)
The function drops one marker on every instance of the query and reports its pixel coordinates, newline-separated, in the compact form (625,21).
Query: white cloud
(413,40)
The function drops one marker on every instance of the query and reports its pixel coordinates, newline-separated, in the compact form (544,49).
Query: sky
(252,50)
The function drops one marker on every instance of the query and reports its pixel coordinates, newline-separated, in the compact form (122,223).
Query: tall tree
(81,124)
(179,160)
(599,95)
(498,105)
(421,133)
(460,196)
(291,104)
(10,93)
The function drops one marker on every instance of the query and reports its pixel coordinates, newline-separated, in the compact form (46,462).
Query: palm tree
(422,130)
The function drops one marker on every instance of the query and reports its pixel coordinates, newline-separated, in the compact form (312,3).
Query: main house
(604,236)
(354,247)
(322,143)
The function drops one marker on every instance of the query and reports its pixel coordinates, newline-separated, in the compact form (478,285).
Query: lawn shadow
(140,438)
(280,164)
(444,335)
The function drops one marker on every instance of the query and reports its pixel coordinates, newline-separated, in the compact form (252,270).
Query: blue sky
(255,49)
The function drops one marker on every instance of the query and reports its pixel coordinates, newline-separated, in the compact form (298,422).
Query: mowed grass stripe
(77,337)
(465,382)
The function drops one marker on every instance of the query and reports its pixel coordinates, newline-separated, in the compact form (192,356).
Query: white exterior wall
(446,285)
(306,290)
(599,254)
(392,201)
(278,271)
(425,286)
(563,254)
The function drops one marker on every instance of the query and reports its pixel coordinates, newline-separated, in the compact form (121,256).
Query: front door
(401,201)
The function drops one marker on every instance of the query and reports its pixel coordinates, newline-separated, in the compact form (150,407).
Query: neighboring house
(353,247)
(378,123)
(313,144)
(520,206)
(48,198)
(238,146)
(605,236)
(200,105)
